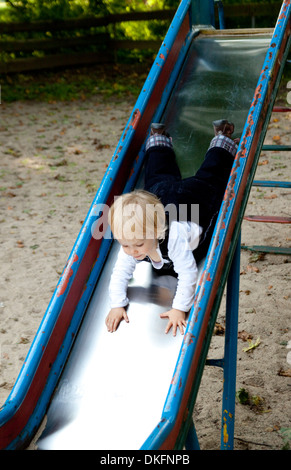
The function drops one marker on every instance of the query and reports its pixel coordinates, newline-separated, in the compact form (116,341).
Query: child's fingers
(108,323)
(175,323)
(126,317)
(174,329)
(181,325)
(112,322)
(110,326)
(168,327)
(115,324)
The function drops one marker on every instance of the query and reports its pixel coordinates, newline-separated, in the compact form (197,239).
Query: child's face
(139,249)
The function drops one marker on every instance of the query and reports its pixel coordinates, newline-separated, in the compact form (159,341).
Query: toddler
(160,224)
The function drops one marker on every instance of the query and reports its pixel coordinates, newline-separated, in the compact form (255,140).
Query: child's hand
(177,318)
(114,317)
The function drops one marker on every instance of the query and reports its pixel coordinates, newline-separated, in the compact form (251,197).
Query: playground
(41,195)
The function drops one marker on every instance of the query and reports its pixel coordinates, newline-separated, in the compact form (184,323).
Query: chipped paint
(227,417)
(188,338)
(225,433)
(68,272)
(135,118)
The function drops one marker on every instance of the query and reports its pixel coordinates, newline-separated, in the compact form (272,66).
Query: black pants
(206,188)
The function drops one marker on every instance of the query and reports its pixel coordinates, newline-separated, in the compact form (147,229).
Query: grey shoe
(158,128)
(223,127)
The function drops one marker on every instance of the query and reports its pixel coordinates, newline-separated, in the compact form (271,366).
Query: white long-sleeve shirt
(183,239)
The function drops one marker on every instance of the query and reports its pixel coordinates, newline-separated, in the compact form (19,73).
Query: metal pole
(220,13)
(230,352)
(203,12)
(192,442)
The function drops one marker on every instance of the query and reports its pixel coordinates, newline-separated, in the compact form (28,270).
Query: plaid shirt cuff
(224,142)
(159,140)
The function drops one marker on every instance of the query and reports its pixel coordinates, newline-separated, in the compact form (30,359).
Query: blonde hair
(137,215)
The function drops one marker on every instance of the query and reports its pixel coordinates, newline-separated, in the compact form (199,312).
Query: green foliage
(286,435)
(36,10)
(243,396)
(135,30)
(76,84)
(246,2)
(32,10)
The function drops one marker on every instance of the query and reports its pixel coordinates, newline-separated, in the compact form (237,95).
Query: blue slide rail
(176,421)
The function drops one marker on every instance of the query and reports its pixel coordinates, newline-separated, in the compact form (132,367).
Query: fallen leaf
(276,138)
(256,257)
(272,196)
(252,345)
(102,146)
(63,162)
(284,373)
(243,396)
(23,340)
(244,335)
(253,269)
(219,329)
(20,244)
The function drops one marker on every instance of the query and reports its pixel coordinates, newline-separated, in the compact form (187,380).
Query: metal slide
(135,388)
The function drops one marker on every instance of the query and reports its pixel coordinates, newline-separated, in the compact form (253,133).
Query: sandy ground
(53,157)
